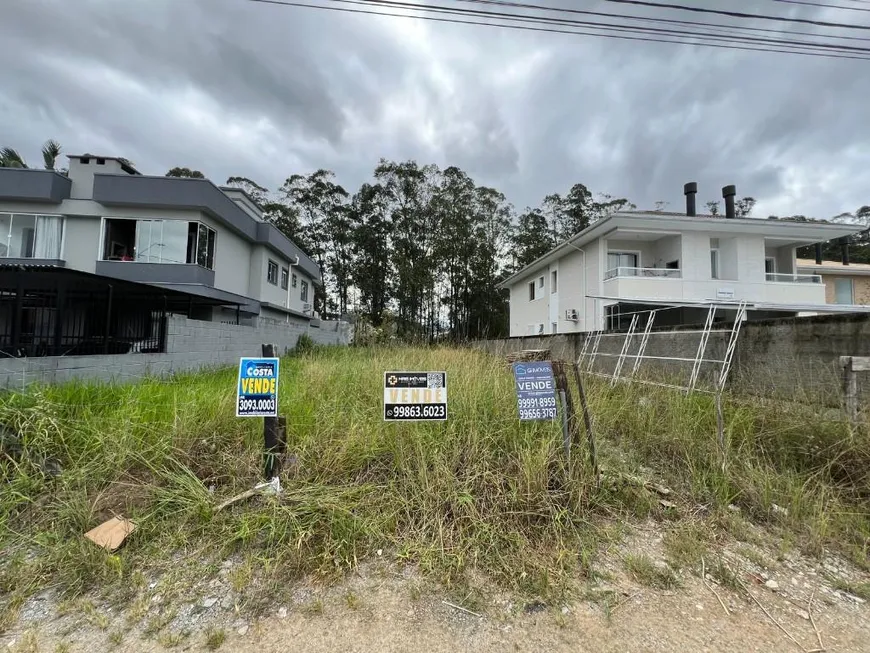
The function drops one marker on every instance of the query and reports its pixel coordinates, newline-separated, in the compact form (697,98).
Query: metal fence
(63,321)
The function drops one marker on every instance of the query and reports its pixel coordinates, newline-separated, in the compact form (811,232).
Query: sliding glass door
(24,235)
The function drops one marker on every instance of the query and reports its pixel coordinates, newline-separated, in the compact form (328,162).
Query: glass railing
(661,273)
(793,278)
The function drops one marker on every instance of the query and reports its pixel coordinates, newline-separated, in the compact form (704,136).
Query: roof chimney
(728,192)
(690,190)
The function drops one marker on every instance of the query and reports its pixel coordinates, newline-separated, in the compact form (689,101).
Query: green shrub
(305,345)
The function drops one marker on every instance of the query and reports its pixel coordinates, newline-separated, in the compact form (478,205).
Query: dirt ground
(388,619)
(385,608)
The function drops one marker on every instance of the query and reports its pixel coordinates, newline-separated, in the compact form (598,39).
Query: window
(554,283)
(205,247)
(30,236)
(285,277)
(303,293)
(714,263)
(770,265)
(623,263)
(272,273)
(294,280)
(843,291)
(554,326)
(541,283)
(159,241)
(531,291)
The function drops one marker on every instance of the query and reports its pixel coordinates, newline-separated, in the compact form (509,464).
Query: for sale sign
(415,396)
(536,390)
(257,394)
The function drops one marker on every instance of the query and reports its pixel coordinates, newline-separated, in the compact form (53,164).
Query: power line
(669,21)
(529,28)
(738,14)
(820,5)
(616,27)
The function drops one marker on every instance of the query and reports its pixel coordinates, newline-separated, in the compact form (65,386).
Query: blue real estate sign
(536,390)
(257,394)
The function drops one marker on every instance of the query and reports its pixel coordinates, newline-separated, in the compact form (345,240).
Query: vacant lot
(481,511)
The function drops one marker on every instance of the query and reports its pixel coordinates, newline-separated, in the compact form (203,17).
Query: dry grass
(479,493)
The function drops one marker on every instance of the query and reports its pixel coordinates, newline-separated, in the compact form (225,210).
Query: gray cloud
(234,87)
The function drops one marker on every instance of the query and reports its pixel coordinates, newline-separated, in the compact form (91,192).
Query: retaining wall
(789,358)
(191,345)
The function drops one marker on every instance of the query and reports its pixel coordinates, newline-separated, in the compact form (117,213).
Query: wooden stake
(273,440)
(569,417)
(850,388)
(587,420)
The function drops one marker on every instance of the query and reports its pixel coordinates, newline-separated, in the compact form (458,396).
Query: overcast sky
(233,87)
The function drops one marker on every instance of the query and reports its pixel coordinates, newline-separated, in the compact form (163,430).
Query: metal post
(59,315)
(17,316)
(626,345)
(110,294)
(702,347)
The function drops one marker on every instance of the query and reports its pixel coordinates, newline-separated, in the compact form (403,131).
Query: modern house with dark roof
(632,262)
(179,234)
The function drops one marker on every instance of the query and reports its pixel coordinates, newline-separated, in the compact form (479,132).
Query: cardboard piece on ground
(112,533)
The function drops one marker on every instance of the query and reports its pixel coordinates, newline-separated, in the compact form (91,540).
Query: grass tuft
(648,573)
(215,638)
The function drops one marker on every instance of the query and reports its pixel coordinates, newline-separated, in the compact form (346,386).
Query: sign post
(257,396)
(415,396)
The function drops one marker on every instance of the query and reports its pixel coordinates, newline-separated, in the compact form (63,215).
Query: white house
(638,260)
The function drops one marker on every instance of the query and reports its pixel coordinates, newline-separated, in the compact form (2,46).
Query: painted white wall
(232,256)
(275,294)
(553,298)
(529,314)
(681,289)
(668,249)
(82,243)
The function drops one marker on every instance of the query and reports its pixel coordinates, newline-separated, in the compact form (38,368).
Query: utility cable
(551,30)
(651,19)
(718,36)
(737,14)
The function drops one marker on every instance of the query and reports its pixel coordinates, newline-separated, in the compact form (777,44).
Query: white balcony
(773,277)
(658,273)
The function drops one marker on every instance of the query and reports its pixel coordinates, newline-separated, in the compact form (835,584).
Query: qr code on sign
(434,380)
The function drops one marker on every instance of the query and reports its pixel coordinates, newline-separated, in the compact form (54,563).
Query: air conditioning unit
(571,314)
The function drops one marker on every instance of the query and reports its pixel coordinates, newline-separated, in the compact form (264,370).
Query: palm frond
(50,151)
(10,158)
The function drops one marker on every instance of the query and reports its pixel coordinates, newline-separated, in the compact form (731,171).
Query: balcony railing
(659,273)
(793,278)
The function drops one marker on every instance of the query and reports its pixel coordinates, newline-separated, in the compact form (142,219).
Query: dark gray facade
(156,272)
(199,194)
(25,185)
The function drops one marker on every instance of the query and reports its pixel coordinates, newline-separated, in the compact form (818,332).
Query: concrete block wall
(191,345)
(793,359)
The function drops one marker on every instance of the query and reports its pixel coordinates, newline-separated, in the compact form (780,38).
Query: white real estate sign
(415,396)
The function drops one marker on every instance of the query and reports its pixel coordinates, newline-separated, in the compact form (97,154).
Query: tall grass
(481,491)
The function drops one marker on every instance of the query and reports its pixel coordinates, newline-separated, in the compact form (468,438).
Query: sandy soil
(385,617)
